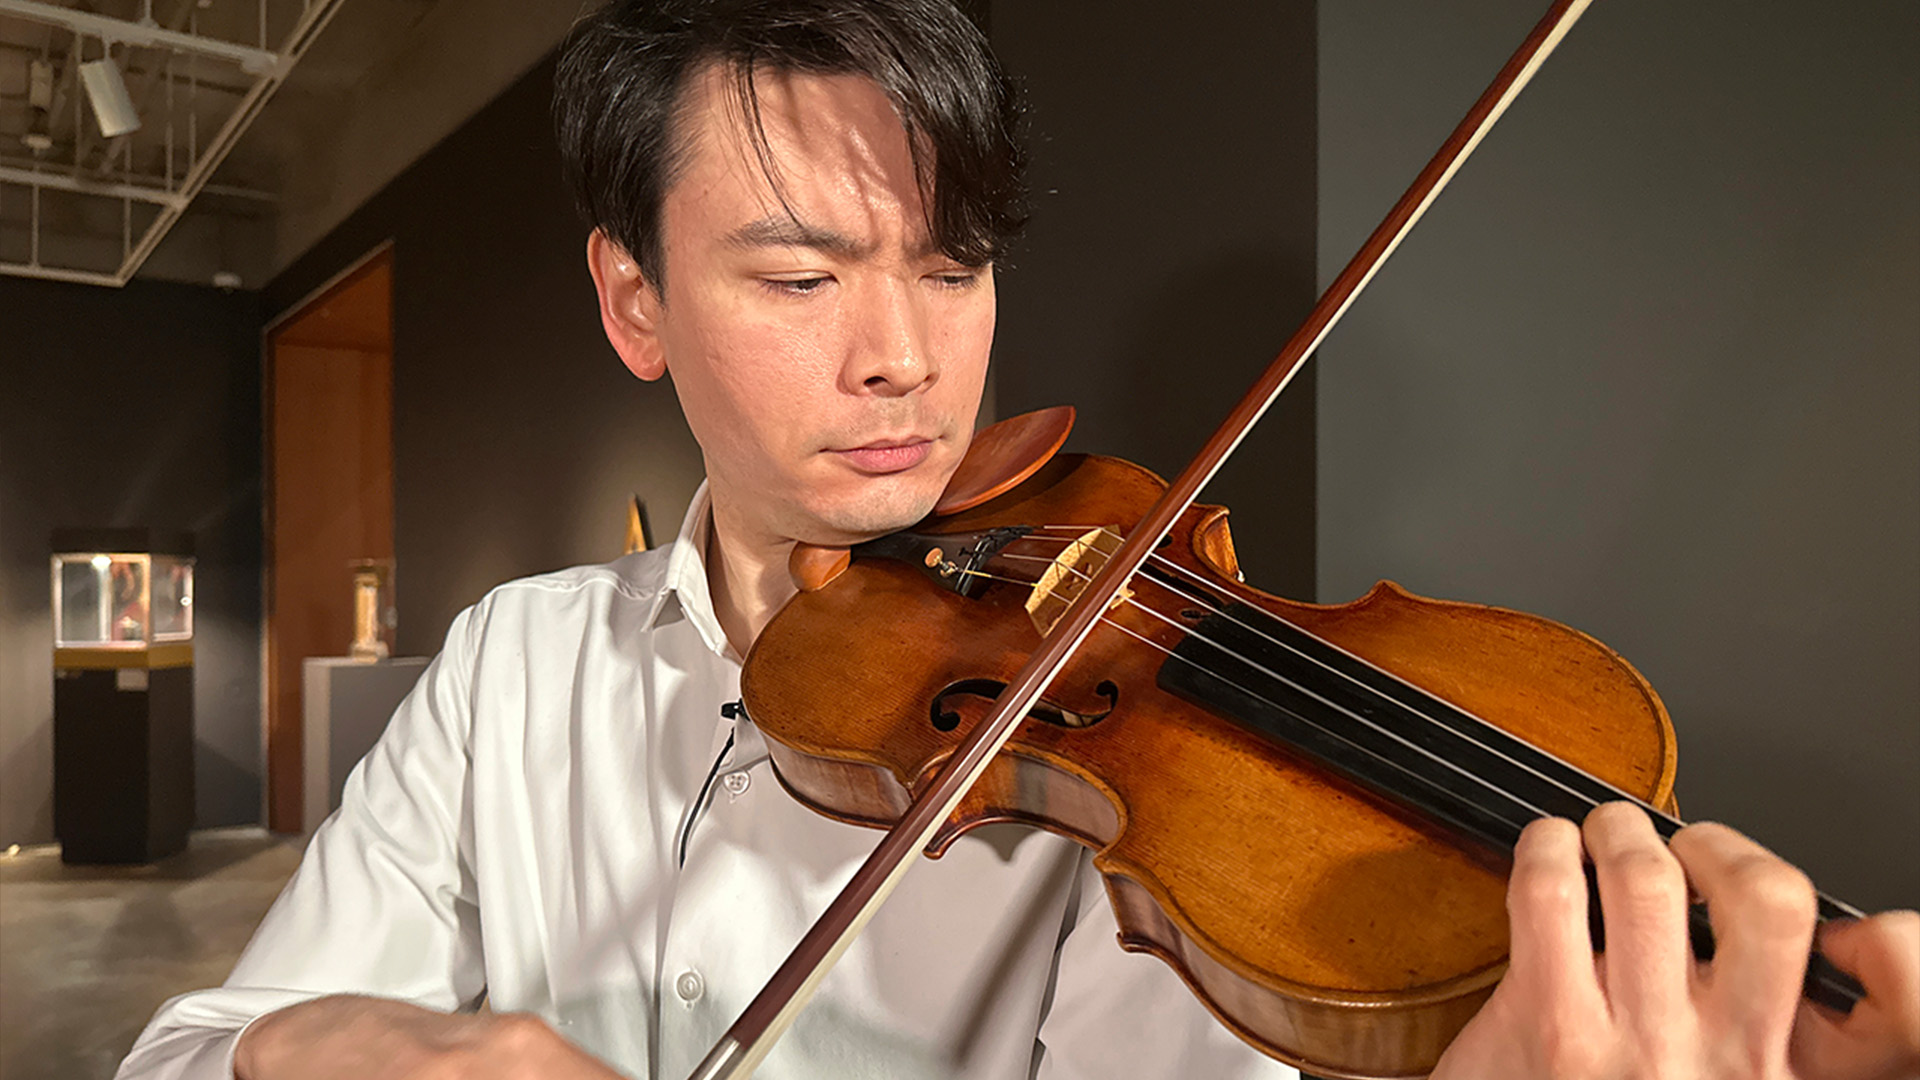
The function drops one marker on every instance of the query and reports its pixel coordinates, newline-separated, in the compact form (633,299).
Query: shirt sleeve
(1115,1013)
(383,902)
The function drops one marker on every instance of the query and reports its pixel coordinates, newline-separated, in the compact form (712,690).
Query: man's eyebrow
(786,232)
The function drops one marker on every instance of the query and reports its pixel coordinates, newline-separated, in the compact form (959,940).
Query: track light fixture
(107,91)
(38,137)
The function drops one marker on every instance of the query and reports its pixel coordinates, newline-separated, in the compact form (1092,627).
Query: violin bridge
(1066,577)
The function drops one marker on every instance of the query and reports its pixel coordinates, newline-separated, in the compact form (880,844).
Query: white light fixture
(112,105)
(38,137)
(40,83)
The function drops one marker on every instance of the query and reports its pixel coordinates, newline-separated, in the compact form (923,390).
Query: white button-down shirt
(560,818)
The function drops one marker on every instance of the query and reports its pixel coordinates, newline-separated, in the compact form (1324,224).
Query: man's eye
(796,286)
(957,279)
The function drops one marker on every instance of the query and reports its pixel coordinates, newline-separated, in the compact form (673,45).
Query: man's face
(829,360)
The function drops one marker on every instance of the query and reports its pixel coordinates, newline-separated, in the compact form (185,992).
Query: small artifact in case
(373,613)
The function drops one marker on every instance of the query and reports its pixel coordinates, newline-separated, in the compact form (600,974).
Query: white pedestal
(347,706)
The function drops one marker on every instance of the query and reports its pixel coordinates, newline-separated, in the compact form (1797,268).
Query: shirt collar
(685,585)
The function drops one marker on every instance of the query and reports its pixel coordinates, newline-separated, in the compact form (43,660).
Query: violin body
(1327,925)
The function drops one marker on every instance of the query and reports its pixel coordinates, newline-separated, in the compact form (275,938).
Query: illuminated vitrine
(122,606)
(123,600)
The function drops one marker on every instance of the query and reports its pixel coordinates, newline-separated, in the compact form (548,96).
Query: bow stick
(773,1010)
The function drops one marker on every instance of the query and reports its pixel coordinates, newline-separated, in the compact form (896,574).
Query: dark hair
(625,68)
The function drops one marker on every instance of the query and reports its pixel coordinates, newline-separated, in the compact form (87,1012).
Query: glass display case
(122,693)
(121,599)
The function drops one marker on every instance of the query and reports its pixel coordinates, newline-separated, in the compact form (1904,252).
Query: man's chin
(875,507)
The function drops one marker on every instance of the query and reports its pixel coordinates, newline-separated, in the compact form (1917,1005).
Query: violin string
(1388,732)
(1480,781)
(1666,824)
(1205,603)
(1202,600)
(1610,789)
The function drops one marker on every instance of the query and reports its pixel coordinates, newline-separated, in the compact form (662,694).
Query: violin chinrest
(1004,454)
(999,458)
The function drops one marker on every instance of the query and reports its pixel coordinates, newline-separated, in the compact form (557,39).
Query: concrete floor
(88,953)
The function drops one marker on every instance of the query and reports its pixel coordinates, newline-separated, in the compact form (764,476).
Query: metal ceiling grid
(77,205)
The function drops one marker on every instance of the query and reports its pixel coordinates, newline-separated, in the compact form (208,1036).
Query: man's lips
(887,455)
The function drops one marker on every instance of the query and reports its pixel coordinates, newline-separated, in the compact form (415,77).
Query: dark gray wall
(1650,368)
(137,406)
(1171,248)
(517,434)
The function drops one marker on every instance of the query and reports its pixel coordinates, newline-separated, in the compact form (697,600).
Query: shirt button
(689,986)
(736,783)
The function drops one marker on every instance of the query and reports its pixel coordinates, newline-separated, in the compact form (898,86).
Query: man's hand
(370,1038)
(1881,1037)
(1645,1008)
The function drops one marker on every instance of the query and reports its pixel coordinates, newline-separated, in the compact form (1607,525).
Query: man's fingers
(1762,910)
(1552,954)
(1881,1036)
(1643,900)
(1883,952)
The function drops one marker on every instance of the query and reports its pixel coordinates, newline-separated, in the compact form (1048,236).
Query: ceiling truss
(102,170)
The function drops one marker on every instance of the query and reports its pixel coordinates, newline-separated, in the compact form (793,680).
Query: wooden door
(329,494)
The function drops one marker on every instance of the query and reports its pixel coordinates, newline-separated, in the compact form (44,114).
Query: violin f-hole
(945,718)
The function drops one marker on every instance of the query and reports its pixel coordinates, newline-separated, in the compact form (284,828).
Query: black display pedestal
(122,763)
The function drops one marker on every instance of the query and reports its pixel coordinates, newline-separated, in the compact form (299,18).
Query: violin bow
(773,1010)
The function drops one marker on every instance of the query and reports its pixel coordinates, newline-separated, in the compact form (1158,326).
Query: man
(797,207)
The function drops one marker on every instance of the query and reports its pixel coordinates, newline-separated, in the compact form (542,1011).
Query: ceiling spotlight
(112,105)
(39,103)
(40,84)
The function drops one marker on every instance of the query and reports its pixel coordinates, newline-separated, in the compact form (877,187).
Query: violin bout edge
(1341,1037)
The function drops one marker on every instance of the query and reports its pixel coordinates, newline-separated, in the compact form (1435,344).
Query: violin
(1308,811)
(1296,806)
(1304,809)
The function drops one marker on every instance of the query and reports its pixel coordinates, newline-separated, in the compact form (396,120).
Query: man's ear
(629,307)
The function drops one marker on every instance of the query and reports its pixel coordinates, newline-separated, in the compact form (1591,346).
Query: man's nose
(890,352)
